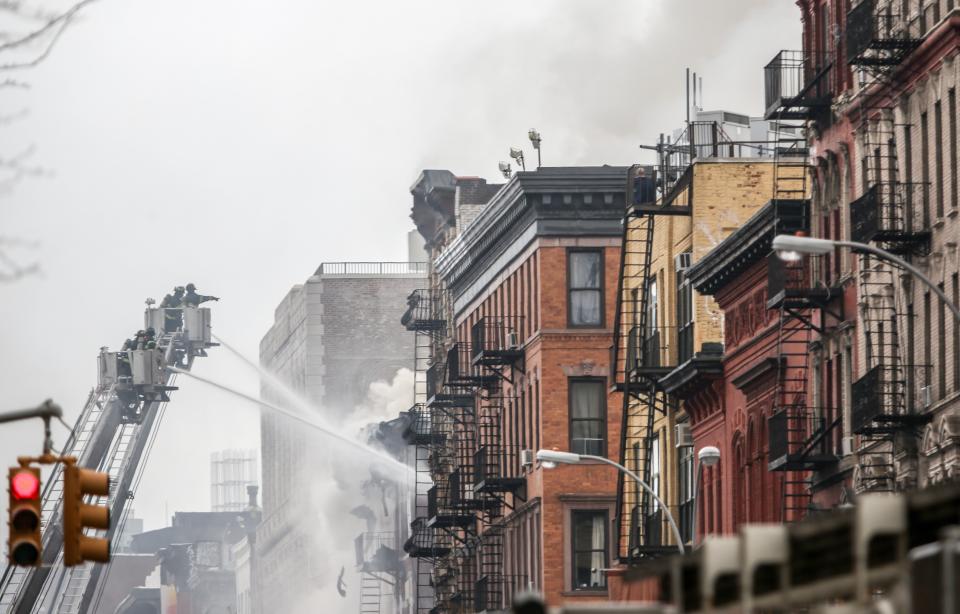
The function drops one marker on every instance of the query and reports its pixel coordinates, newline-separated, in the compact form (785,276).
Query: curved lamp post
(792,247)
(551,458)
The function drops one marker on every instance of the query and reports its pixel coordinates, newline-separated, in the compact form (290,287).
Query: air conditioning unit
(682,261)
(926,396)
(513,340)
(526,458)
(684,437)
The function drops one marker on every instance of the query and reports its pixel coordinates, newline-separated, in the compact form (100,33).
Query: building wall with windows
(681,326)
(543,254)
(888,145)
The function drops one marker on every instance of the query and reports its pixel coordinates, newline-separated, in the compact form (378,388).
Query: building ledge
(695,374)
(764,367)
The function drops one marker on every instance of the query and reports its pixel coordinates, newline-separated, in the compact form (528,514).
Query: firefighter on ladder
(192,299)
(172,314)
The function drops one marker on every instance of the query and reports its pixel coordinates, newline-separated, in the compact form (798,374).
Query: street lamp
(792,247)
(551,458)
(709,456)
(517,154)
(534,137)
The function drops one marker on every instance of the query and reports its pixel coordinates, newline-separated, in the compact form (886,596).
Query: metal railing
(793,77)
(372,268)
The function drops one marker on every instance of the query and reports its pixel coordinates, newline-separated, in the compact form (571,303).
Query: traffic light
(24,545)
(77,515)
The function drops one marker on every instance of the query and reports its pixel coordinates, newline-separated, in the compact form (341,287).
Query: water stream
(392,465)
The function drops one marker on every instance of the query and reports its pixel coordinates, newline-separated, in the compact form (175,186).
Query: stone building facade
(333,336)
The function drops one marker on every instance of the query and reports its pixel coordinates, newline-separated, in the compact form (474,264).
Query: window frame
(685,315)
(588,512)
(685,491)
(600,252)
(601,384)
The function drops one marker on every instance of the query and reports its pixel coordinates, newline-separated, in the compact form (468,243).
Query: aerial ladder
(113,434)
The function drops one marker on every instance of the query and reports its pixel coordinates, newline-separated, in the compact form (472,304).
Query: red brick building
(733,398)
(530,288)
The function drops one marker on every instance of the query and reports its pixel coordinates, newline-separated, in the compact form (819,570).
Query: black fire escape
(878,39)
(640,351)
(425,432)
(802,434)
(469,470)
(496,351)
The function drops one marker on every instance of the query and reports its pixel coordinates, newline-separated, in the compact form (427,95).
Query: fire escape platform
(460,520)
(651,209)
(500,485)
(448,400)
(802,298)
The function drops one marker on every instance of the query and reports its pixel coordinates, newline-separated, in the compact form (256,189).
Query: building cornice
(595,208)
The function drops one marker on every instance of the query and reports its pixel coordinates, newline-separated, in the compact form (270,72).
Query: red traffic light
(24,485)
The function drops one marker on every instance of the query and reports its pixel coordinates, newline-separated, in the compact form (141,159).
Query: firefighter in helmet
(172,314)
(192,299)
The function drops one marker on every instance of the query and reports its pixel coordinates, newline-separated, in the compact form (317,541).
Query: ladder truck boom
(113,434)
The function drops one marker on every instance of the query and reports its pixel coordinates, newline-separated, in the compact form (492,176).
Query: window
(684,310)
(927,339)
(585,288)
(588,416)
(952,118)
(941,347)
(956,335)
(938,154)
(589,549)
(650,347)
(925,167)
(654,452)
(908,170)
(653,515)
(685,475)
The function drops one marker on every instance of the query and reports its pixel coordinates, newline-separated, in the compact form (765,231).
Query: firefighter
(174,299)
(192,299)
(172,314)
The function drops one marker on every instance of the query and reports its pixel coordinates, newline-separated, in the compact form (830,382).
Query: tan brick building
(667,331)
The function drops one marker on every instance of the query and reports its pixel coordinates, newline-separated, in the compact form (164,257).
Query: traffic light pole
(46,410)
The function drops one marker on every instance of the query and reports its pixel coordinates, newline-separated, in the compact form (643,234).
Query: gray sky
(238,144)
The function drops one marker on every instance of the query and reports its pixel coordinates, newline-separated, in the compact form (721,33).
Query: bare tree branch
(54,23)
(12,270)
(14,83)
(9,118)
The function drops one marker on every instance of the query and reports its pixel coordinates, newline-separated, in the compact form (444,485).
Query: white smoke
(339,487)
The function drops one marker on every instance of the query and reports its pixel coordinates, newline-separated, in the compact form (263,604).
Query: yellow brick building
(664,324)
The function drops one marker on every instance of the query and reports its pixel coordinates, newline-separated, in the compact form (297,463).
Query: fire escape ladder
(637,247)
(791,413)
(799,433)
(371,593)
(643,352)
(429,433)
(878,40)
(495,586)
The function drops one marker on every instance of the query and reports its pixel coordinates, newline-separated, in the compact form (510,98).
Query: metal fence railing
(372,268)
